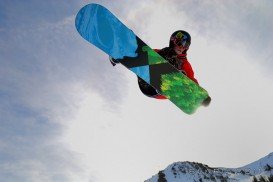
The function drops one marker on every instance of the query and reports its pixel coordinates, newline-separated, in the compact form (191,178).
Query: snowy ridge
(259,166)
(259,171)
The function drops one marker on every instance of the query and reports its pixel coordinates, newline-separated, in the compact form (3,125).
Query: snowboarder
(175,54)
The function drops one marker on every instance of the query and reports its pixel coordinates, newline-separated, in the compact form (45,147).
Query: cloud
(43,69)
(244,25)
(29,146)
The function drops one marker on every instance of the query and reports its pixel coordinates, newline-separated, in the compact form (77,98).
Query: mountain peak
(194,171)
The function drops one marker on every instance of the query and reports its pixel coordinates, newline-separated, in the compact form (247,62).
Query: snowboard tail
(100,27)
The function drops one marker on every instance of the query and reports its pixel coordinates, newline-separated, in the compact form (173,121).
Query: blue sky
(29,150)
(67,115)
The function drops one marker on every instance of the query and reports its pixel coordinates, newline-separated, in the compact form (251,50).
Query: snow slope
(261,170)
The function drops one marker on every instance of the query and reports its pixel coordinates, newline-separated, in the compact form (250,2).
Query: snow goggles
(182,42)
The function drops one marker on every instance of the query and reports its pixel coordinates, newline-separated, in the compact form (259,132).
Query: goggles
(181,42)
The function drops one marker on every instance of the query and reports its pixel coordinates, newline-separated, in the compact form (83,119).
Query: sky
(67,115)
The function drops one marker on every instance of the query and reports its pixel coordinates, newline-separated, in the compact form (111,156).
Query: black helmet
(179,38)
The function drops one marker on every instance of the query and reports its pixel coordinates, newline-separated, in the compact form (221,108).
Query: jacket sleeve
(186,67)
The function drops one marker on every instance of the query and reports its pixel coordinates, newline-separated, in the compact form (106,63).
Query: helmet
(180,38)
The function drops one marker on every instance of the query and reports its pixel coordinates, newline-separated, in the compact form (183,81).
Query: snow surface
(191,171)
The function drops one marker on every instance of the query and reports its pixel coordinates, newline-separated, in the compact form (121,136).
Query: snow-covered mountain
(259,171)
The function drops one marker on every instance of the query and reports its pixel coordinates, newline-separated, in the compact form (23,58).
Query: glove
(113,61)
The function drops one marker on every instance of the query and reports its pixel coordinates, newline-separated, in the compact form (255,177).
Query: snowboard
(100,27)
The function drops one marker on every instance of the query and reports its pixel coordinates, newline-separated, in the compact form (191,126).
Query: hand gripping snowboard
(100,27)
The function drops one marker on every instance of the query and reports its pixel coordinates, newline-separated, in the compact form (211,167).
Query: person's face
(179,49)
(180,45)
